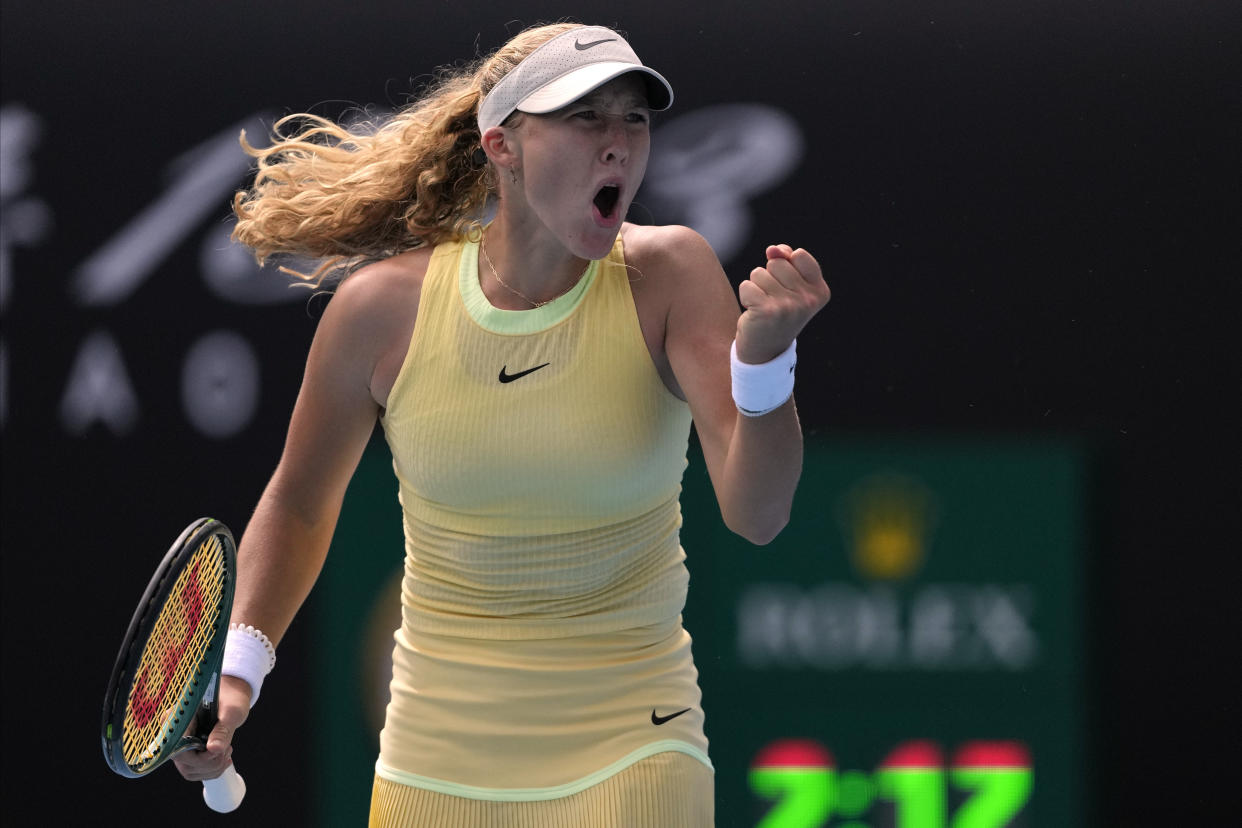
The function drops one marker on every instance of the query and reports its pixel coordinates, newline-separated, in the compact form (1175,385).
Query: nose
(616,145)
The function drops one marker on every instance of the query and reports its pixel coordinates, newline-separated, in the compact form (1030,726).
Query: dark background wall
(1028,212)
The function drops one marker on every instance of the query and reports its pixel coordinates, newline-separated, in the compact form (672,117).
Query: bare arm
(754,462)
(286,542)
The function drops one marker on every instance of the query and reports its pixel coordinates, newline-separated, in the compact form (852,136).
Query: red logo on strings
(144,704)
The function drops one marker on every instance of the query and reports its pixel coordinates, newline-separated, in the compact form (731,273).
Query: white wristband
(248,655)
(760,389)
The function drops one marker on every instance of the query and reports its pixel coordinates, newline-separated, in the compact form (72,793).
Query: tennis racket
(167,672)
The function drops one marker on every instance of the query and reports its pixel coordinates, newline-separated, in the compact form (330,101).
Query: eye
(586,114)
(638,117)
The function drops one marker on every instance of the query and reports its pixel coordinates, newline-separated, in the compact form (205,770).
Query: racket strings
(169,667)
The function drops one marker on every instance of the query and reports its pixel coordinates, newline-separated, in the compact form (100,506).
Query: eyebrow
(597,99)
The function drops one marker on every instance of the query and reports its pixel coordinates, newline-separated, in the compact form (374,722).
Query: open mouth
(606,200)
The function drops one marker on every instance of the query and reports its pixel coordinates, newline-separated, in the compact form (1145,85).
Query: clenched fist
(778,300)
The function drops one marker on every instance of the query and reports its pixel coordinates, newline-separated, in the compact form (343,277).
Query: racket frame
(125,670)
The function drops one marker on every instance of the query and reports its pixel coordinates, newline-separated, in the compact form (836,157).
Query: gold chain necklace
(515,291)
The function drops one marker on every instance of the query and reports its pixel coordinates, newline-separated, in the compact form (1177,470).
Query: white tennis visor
(563,70)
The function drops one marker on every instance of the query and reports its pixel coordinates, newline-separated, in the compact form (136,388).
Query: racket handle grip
(225,792)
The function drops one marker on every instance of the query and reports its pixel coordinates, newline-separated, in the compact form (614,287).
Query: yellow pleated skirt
(667,790)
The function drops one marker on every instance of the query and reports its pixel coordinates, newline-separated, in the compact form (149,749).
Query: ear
(500,144)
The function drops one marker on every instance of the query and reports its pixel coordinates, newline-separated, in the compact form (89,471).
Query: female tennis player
(536,378)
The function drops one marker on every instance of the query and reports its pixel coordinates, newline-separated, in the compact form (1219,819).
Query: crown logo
(888,520)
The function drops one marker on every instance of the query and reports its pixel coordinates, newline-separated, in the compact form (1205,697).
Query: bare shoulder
(680,272)
(670,251)
(372,315)
(383,290)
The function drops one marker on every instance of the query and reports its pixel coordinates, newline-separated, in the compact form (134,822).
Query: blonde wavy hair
(351,195)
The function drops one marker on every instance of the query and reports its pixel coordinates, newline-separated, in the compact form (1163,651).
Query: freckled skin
(565,156)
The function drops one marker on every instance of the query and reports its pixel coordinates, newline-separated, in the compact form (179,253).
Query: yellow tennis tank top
(539,458)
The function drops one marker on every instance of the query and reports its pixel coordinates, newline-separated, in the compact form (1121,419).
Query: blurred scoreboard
(987,784)
(907,654)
